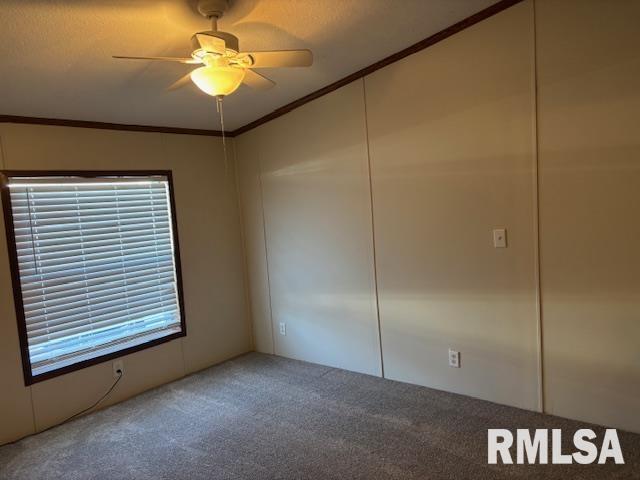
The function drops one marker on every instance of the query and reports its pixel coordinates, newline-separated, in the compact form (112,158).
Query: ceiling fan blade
(209,43)
(181,82)
(255,80)
(162,59)
(280,58)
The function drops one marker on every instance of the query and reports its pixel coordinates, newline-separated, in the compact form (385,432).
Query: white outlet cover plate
(454,358)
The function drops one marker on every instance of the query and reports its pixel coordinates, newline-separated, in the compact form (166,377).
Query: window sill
(47,372)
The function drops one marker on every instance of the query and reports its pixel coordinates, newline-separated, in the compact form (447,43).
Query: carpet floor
(265,417)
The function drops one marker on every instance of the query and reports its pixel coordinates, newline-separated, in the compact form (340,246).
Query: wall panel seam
(266,256)
(2,153)
(536,218)
(163,146)
(373,233)
(245,256)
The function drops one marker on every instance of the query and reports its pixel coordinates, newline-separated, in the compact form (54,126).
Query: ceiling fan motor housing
(231,41)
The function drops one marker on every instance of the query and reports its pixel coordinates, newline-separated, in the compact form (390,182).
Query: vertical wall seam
(163,146)
(245,256)
(3,165)
(33,409)
(266,256)
(373,233)
(1,152)
(536,217)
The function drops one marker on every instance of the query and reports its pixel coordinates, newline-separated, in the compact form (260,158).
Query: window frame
(29,378)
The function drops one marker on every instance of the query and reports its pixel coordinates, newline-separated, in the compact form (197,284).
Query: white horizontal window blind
(97,265)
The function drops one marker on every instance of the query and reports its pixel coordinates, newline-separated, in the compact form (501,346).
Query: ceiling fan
(224,67)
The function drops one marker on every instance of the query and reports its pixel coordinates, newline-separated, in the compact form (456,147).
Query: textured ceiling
(56,55)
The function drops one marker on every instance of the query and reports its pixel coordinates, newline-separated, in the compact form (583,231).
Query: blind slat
(45,311)
(96,270)
(43,265)
(62,287)
(26,234)
(103,247)
(108,315)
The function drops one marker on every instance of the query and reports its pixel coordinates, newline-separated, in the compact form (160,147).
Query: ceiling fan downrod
(213,10)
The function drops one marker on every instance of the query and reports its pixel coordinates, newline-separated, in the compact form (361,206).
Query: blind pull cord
(33,242)
(220,110)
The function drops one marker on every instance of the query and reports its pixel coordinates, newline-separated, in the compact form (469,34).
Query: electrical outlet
(454,358)
(283,328)
(118,368)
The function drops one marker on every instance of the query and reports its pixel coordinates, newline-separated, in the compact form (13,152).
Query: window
(95,266)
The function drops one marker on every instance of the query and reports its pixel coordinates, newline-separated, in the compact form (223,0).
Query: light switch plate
(283,328)
(500,238)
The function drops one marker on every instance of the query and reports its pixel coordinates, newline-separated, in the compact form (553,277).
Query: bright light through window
(95,265)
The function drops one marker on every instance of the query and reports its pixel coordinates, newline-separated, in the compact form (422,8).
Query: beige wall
(314,186)
(589,150)
(212,268)
(453,153)
(318,228)
(452,157)
(250,195)
(304,181)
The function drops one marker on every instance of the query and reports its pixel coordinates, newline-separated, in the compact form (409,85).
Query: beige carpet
(265,417)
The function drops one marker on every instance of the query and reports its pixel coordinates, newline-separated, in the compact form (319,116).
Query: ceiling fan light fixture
(218,80)
(225,67)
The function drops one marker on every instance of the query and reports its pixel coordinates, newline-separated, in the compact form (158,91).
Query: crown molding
(416,47)
(109,126)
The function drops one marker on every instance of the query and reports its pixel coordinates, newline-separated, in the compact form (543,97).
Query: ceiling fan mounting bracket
(213,9)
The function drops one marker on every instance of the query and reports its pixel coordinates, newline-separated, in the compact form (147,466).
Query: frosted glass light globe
(218,80)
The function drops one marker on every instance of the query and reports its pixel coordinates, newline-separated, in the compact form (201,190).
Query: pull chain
(224,139)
